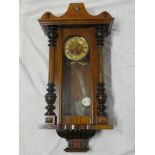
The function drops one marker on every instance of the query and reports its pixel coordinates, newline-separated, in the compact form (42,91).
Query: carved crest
(75,14)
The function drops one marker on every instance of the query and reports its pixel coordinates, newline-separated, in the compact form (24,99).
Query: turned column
(50,97)
(101,96)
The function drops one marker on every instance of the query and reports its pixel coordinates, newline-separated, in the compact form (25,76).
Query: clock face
(76,48)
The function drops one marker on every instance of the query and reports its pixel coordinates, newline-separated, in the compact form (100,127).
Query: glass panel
(76,99)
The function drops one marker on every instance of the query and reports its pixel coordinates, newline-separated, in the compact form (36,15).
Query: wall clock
(76,94)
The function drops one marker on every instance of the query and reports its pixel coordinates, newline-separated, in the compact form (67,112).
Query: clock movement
(76,94)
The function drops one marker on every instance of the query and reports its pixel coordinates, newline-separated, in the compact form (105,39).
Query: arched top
(75,14)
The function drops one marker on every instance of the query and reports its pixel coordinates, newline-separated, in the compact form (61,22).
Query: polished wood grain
(75,120)
(75,14)
(76,21)
(76,127)
(94,73)
(58,74)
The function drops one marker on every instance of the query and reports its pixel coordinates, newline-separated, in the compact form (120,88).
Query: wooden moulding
(76,14)
(75,127)
(77,139)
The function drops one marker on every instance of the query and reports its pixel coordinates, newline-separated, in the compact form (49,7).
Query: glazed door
(76,77)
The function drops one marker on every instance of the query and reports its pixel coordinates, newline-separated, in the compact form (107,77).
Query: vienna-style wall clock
(76,94)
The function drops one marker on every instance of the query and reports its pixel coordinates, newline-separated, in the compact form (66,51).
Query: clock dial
(76,48)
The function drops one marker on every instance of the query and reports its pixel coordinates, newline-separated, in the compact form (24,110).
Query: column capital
(52,35)
(101,33)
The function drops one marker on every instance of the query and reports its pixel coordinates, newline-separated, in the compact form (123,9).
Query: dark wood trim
(50,98)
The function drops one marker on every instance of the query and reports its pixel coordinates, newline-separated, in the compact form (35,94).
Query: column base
(51,119)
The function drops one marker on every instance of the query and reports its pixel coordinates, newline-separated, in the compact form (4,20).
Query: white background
(119,79)
(145,93)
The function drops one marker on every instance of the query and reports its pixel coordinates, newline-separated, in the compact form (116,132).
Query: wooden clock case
(76,22)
